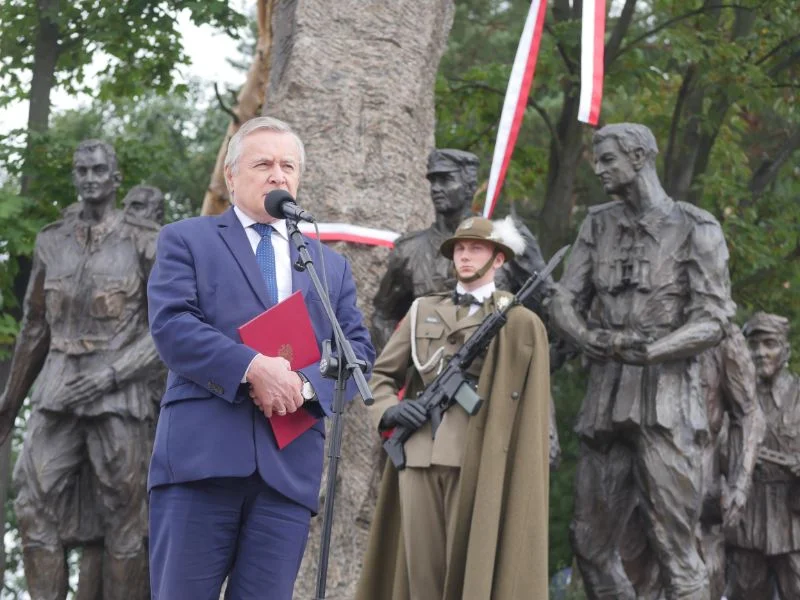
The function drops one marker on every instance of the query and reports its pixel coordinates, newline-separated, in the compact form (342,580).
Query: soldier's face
(145,208)
(612,166)
(448,192)
(94,180)
(769,351)
(469,256)
(270,160)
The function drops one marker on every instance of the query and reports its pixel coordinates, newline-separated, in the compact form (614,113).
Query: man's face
(145,207)
(95,181)
(612,166)
(448,192)
(469,256)
(769,351)
(270,160)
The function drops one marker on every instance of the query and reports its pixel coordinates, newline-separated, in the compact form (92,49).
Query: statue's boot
(45,572)
(126,578)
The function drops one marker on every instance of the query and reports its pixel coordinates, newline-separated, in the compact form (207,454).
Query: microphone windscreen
(274,201)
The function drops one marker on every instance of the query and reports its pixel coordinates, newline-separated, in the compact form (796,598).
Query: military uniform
(766,544)
(431,462)
(87,297)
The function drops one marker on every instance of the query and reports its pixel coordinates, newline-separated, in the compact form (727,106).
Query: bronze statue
(645,291)
(415,267)
(764,549)
(84,340)
(736,427)
(145,202)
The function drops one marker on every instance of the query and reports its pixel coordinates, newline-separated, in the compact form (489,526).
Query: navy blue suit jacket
(206,283)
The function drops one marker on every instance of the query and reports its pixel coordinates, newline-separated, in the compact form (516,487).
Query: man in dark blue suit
(224,500)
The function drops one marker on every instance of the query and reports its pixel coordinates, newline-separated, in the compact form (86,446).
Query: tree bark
(356,79)
(45,58)
(248,105)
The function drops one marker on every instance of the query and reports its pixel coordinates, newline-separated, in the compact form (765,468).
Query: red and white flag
(344,232)
(519,85)
(593,29)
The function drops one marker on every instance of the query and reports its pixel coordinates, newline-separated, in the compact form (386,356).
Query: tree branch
(530,103)
(769,168)
(568,63)
(620,29)
(679,18)
(223,106)
(777,49)
(680,102)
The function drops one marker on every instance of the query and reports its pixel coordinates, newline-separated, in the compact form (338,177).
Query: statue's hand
(630,348)
(733,501)
(85,387)
(597,345)
(6,418)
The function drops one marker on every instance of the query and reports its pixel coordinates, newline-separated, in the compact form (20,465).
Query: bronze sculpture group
(676,494)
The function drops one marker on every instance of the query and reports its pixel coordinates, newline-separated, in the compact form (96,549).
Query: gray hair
(629,136)
(256,124)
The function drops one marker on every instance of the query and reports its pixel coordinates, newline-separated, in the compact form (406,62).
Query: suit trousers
(428,503)
(203,531)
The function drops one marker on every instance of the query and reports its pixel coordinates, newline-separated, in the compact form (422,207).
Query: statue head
(768,338)
(145,202)
(95,172)
(453,175)
(621,151)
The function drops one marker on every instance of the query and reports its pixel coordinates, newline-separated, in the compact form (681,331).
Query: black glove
(408,413)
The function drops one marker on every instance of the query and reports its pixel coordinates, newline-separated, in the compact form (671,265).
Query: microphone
(281,205)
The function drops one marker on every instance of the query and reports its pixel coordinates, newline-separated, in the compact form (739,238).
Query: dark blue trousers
(203,531)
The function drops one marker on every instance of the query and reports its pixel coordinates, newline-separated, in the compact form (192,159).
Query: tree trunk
(45,57)
(248,105)
(356,79)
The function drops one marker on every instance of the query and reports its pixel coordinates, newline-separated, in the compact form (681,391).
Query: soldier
(645,291)
(81,476)
(764,550)
(467,517)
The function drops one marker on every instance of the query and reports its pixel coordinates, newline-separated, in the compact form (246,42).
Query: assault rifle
(778,458)
(451,385)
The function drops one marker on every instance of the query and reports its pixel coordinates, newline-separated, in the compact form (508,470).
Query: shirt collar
(246,221)
(482,293)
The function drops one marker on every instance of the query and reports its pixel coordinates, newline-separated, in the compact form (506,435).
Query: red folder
(285,330)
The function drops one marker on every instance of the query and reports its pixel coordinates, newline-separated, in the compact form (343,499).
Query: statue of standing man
(645,291)
(764,549)
(85,348)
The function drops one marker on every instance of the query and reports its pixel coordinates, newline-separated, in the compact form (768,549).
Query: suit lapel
(234,236)
(447,311)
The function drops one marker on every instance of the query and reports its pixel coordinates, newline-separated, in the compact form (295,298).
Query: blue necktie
(265,257)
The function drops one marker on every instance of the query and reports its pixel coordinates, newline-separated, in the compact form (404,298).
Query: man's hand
(85,387)
(408,413)
(274,387)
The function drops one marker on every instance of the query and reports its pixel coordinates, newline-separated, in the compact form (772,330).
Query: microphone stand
(331,366)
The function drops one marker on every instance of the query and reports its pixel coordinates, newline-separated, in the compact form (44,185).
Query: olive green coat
(501,544)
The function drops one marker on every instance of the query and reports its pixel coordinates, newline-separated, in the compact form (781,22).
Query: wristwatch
(306,390)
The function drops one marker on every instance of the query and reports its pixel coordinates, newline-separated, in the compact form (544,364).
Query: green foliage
(139,37)
(725,76)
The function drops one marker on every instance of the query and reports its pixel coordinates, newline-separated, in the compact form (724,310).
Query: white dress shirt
(280,244)
(283,261)
(481,294)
